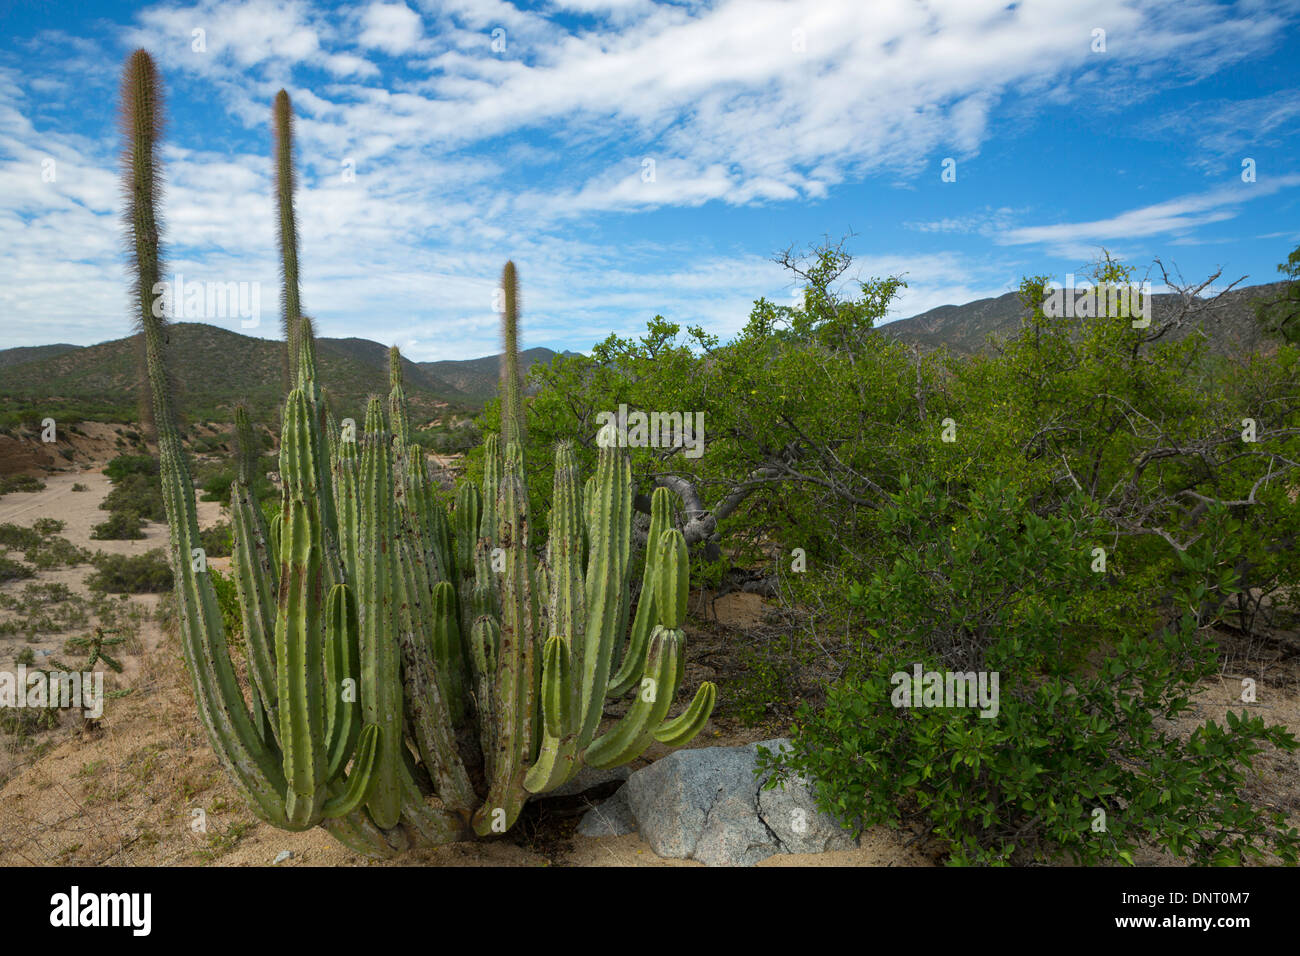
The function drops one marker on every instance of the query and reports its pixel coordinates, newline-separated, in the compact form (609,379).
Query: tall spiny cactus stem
(237,742)
(514,693)
(512,420)
(285,180)
(305,795)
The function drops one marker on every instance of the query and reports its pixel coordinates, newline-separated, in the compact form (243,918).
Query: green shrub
(228,601)
(17,537)
(139,493)
(48,526)
(121,526)
(55,552)
(10,483)
(26,656)
(11,570)
(217,541)
(124,465)
(1078,759)
(147,573)
(78,486)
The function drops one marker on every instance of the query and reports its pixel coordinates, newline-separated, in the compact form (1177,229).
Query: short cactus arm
(256,581)
(484,644)
(629,673)
(359,780)
(465,525)
(342,673)
(628,738)
(429,711)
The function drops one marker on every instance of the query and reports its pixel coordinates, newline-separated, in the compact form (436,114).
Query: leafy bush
(124,465)
(217,541)
(55,552)
(139,493)
(147,573)
(17,537)
(10,483)
(11,570)
(78,486)
(1076,758)
(120,526)
(228,600)
(48,526)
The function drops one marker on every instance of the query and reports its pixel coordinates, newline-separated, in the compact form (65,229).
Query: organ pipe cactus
(413,678)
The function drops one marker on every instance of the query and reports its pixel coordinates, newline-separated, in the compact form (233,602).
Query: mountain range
(213,366)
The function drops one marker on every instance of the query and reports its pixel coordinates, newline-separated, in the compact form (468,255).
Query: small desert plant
(120,526)
(48,526)
(147,573)
(17,537)
(10,483)
(11,570)
(139,493)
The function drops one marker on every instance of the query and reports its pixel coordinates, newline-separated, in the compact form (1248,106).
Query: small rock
(283,855)
(612,817)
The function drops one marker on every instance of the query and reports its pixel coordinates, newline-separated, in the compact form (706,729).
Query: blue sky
(769,124)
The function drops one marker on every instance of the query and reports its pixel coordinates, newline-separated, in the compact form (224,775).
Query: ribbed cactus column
(515,690)
(562,656)
(376,587)
(287,232)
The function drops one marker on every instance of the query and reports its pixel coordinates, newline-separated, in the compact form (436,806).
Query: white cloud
(1174,217)
(392,27)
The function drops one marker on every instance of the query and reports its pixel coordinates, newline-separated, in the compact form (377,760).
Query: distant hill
(32,353)
(477,378)
(215,367)
(1230,324)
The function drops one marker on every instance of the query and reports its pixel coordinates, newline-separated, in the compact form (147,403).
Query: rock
(791,815)
(734,834)
(707,804)
(611,817)
(283,855)
(672,798)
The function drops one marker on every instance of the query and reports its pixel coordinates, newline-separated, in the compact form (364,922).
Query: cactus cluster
(413,676)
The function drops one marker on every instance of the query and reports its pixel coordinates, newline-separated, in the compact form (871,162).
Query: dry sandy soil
(131,791)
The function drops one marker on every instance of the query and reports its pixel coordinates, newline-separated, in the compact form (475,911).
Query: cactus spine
(371,618)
